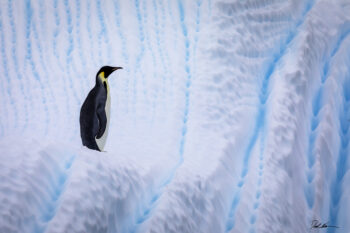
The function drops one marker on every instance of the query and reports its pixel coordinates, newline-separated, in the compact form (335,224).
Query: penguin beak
(116,68)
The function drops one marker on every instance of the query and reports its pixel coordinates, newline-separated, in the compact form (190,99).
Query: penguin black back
(94,114)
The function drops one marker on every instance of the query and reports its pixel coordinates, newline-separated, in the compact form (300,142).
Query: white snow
(229,116)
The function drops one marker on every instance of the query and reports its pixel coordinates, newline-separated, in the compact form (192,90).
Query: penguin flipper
(102,120)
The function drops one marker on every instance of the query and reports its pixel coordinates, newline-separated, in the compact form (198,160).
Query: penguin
(95,111)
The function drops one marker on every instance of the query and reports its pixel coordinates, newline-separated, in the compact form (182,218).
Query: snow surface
(229,116)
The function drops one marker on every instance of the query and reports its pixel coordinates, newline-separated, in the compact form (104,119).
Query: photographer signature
(317,224)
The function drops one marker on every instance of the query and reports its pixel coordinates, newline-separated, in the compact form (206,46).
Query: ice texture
(228,116)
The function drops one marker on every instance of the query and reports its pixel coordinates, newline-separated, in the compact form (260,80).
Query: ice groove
(29,56)
(317,105)
(154,61)
(15,60)
(79,41)
(69,51)
(171,15)
(43,63)
(118,21)
(256,203)
(218,105)
(163,33)
(48,96)
(157,194)
(88,23)
(260,119)
(159,46)
(342,167)
(56,33)
(58,186)
(197,29)
(103,33)
(6,73)
(140,54)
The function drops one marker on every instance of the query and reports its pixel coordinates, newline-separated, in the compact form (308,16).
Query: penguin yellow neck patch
(102,77)
(104,81)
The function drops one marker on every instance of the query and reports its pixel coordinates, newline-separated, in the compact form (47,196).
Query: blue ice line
(141,53)
(172,22)
(88,25)
(155,74)
(37,40)
(125,56)
(256,203)
(42,14)
(69,59)
(8,77)
(314,122)
(15,61)
(29,24)
(78,35)
(175,41)
(198,16)
(50,209)
(56,32)
(118,21)
(166,54)
(188,80)
(317,105)
(168,180)
(197,29)
(103,33)
(342,166)
(6,71)
(169,71)
(69,29)
(159,43)
(169,9)
(78,18)
(43,64)
(163,22)
(334,51)
(230,222)
(143,80)
(209,6)
(36,37)
(260,120)
(55,35)
(99,36)
(160,49)
(57,56)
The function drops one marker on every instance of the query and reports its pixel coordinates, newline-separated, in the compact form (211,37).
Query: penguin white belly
(101,142)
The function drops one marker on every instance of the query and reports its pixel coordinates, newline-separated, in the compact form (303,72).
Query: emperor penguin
(95,111)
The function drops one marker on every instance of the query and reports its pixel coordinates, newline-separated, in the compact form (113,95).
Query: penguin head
(107,70)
